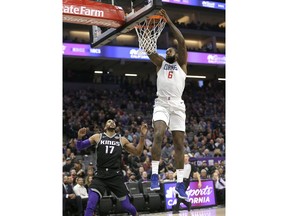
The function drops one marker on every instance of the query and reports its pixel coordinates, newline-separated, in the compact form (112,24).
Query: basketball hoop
(148,33)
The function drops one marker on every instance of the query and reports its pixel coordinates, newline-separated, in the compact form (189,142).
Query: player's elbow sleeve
(83,144)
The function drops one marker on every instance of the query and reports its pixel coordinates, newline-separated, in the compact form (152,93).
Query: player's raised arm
(129,147)
(181,45)
(82,144)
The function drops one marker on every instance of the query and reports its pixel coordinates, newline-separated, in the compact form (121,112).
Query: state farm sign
(92,13)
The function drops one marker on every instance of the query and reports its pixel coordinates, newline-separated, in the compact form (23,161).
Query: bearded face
(170,59)
(110,125)
(170,55)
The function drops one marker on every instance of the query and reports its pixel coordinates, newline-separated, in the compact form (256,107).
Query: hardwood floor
(213,211)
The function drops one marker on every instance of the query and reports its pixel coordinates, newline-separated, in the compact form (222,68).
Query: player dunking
(169,108)
(109,175)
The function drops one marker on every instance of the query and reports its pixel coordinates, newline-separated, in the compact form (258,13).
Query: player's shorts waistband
(169,98)
(107,169)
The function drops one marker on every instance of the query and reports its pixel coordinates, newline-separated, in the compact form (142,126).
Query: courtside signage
(199,197)
(199,3)
(132,53)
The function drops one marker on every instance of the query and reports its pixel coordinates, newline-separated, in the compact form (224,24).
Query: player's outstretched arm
(199,180)
(129,147)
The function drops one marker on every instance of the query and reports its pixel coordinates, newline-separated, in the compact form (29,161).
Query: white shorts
(172,112)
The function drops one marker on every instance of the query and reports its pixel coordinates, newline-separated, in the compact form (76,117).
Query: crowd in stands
(129,106)
(202,26)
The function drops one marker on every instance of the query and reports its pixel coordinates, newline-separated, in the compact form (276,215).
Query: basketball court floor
(212,211)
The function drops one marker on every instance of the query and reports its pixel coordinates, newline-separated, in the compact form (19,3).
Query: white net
(148,33)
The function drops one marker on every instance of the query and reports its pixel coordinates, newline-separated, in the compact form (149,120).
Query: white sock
(179,173)
(155,167)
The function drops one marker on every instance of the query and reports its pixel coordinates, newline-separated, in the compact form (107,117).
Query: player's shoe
(180,190)
(188,205)
(154,182)
(175,209)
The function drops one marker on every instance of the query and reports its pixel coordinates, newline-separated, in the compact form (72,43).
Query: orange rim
(153,17)
(157,17)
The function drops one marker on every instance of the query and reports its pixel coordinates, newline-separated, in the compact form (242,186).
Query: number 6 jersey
(170,80)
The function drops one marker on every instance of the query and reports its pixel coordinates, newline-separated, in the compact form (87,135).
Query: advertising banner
(199,197)
(121,52)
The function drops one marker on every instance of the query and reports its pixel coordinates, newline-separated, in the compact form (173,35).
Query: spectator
(162,166)
(90,172)
(63,160)
(68,165)
(166,150)
(67,153)
(170,176)
(203,174)
(88,181)
(139,172)
(128,174)
(147,165)
(78,168)
(217,153)
(80,190)
(206,153)
(132,178)
(71,202)
(186,147)
(220,188)
(72,146)
(91,166)
(72,177)
(128,136)
(144,178)
(211,145)
(204,166)
(221,172)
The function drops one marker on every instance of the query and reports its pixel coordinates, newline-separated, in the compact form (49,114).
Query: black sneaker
(175,210)
(189,206)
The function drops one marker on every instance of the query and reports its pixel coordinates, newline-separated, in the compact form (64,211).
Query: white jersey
(170,80)
(187,170)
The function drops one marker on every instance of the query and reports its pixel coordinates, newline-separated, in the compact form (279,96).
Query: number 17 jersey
(109,150)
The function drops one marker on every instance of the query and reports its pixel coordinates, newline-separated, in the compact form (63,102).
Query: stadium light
(196,77)
(131,75)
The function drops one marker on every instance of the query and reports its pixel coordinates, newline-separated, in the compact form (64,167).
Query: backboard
(136,13)
(108,18)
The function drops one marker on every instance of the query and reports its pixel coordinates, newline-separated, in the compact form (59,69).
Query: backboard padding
(132,19)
